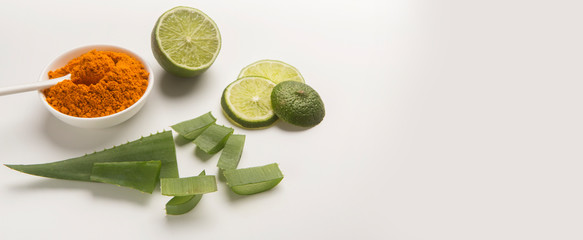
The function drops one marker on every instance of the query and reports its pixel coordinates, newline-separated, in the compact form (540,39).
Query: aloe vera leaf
(183,204)
(253,180)
(190,129)
(142,175)
(188,186)
(213,139)
(232,151)
(159,146)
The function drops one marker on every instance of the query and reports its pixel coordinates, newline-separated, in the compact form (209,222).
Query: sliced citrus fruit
(247,102)
(276,71)
(185,41)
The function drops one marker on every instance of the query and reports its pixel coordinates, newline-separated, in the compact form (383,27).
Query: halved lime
(247,102)
(298,104)
(276,71)
(185,41)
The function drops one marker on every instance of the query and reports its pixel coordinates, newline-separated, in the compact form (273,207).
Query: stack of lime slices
(185,41)
(247,101)
(267,90)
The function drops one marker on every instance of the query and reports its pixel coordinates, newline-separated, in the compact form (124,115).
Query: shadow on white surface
(288,127)
(181,141)
(233,197)
(71,137)
(98,190)
(173,86)
(200,154)
(187,219)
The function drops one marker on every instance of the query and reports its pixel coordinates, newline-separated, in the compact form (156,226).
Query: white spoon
(33,86)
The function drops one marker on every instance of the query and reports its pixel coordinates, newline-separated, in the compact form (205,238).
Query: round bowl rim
(87,48)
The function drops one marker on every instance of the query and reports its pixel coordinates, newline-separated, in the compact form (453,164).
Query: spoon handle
(31,86)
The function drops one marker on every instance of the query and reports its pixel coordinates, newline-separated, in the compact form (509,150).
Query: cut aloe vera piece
(183,204)
(188,186)
(213,139)
(141,175)
(158,146)
(232,152)
(190,129)
(253,180)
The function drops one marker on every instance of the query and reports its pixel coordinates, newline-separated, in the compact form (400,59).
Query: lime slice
(276,71)
(247,102)
(185,41)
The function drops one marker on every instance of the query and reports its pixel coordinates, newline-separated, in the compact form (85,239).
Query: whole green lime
(297,103)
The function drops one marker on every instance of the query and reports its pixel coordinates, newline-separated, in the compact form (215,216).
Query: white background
(444,120)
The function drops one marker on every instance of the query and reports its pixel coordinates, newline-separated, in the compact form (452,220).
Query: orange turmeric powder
(102,83)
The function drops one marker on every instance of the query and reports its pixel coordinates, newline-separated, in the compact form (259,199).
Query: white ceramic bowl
(97,122)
